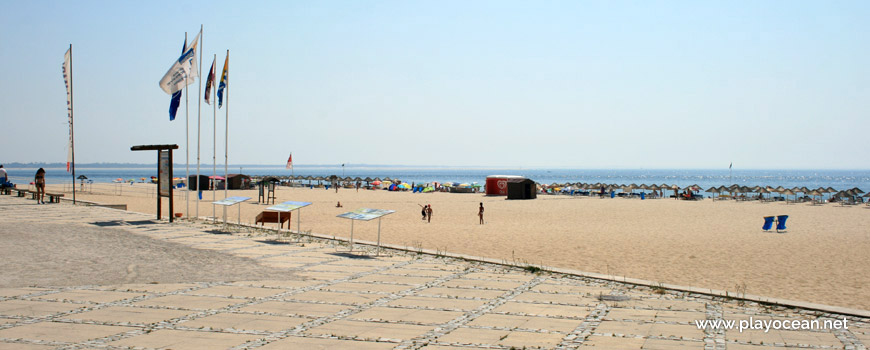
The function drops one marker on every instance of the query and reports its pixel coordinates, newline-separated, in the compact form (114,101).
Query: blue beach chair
(768,223)
(780,223)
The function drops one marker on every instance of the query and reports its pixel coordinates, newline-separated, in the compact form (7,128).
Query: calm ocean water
(838,179)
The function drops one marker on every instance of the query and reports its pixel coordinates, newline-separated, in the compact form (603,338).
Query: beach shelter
(521,189)
(238,181)
(266,187)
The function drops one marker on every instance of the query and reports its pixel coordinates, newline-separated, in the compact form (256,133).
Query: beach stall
(497,185)
(521,188)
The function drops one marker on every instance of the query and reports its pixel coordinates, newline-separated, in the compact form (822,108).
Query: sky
(568,84)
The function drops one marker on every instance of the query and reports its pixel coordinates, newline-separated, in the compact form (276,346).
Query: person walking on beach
(480,213)
(428,212)
(423,211)
(39,181)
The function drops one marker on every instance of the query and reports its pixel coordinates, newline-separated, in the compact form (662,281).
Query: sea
(705,178)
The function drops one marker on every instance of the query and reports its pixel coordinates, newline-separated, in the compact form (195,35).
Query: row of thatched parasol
(622,187)
(821,191)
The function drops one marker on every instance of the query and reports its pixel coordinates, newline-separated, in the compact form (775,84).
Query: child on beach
(423,211)
(428,212)
(480,213)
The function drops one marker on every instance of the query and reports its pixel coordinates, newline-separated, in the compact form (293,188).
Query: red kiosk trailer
(496,185)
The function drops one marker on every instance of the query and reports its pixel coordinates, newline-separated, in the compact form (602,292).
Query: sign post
(164,174)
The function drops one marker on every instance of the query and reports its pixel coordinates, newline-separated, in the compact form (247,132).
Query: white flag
(67,80)
(183,72)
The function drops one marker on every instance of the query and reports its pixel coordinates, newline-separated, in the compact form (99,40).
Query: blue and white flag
(175,101)
(183,72)
(224,81)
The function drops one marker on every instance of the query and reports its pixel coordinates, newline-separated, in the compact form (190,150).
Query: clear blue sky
(579,84)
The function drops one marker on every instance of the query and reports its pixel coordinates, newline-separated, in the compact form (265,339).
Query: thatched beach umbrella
(788,192)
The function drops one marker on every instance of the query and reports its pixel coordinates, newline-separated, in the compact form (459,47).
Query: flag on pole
(209,82)
(290,162)
(67,74)
(183,72)
(175,101)
(223,84)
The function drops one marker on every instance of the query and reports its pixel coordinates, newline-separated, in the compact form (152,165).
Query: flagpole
(227,135)
(198,121)
(72,138)
(186,144)
(214,148)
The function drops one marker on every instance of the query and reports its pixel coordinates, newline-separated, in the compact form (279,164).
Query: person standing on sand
(480,213)
(39,180)
(423,211)
(428,212)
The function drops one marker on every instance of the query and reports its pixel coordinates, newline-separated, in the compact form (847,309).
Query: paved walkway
(332,300)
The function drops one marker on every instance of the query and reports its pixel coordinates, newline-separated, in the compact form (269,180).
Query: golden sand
(823,257)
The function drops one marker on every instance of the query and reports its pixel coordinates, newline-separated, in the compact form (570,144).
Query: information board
(163,173)
(366,214)
(288,206)
(231,200)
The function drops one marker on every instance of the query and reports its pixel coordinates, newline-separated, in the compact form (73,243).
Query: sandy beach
(709,244)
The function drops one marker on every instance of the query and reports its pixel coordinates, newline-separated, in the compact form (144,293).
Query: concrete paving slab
(438,303)
(544,309)
(295,259)
(190,302)
(512,275)
(609,342)
(282,265)
(462,292)
(325,344)
(34,308)
(663,344)
(138,315)
(19,346)
(526,322)
(617,314)
(152,287)
(384,278)
(288,308)
(441,266)
(338,268)
(565,299)
(324,276)
(187,340)
(245,322)
(91,296)
(407,315)
(335,297)
(366,287)
(623,328)
(370,330)
(469,336)
(404,271)
(288,284)
(14,292)
(572,289)
(62,332)
(482,284)
(679,316)
(237,291)
(676,330)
